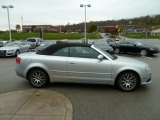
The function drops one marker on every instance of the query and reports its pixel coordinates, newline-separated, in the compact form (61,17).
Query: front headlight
(151,48)
(148,69)
(10,51)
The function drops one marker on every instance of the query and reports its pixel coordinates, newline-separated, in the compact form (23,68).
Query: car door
(123,47)
(57,64)
(83,66)
(132,47)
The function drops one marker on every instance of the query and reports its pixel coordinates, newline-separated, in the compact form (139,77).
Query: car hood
(8,48)
(129,61)
(150,46)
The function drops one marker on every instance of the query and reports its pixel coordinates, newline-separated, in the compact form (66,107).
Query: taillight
(18,60)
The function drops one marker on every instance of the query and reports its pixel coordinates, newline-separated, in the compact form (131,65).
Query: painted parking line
(147,57)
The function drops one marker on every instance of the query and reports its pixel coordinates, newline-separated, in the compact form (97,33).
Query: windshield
(31,40)
(113,57)
(13,44)
(139,43)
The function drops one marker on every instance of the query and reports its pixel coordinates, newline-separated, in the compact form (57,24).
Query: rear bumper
(19,72)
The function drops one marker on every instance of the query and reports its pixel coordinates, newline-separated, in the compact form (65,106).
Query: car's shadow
(5,57)
(92,87)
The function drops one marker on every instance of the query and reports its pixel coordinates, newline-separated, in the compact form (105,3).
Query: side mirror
(100,57)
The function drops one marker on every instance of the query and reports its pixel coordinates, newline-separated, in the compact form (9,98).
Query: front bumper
(4,53)
(146,78)
(154,51)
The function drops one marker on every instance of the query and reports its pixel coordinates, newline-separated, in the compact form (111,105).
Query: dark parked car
(113,38)
(134,47)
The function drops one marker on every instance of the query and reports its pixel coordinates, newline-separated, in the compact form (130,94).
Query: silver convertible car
(81,63)
(14,48)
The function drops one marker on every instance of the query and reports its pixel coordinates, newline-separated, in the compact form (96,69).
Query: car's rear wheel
(117,50)
(127,81)
(38,78)
(143,52)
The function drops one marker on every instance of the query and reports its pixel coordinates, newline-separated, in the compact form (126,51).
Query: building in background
(135,29)
(37,28)
(155,32)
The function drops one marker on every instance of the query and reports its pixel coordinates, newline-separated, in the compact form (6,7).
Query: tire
(117,50)
(17,53)
(143,52)
(127,81)
(38,78)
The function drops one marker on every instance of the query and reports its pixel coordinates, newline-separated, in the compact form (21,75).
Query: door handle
(72,63)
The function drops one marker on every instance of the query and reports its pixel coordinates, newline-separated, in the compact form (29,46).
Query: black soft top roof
(54,47)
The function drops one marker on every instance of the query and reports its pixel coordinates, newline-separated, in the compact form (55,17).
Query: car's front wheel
(143,52)
(38,78)
(127,81)
(117,50)
(17,53)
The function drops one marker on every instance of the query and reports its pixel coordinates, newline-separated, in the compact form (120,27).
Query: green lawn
(49,36)
(140,36)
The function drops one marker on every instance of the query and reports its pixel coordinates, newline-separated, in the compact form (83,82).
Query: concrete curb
(35,104)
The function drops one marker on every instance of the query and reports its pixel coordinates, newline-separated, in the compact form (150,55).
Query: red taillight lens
(18,60)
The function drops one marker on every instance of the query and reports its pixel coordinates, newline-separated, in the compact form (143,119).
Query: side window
(123,43)
(83,52)
(62,52)
(131,44)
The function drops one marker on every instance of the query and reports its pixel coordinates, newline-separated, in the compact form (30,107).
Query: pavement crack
(23,104)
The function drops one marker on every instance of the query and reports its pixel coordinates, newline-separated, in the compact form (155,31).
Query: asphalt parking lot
(98,102)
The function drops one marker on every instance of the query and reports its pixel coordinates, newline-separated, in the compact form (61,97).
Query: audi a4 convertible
(81,63)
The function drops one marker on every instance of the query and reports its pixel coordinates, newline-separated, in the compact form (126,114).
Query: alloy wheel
(38,78)
(143,52)
(17,53)
(128,81)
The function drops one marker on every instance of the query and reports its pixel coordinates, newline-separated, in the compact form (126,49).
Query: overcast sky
(61,12)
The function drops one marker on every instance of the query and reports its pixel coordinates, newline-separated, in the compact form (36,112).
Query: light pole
(9,6)
(82,5)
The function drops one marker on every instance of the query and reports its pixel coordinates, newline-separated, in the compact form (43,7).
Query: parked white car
(14,48)
(34,42)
